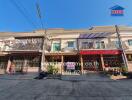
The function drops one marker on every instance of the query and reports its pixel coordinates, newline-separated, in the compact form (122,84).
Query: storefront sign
(92,52)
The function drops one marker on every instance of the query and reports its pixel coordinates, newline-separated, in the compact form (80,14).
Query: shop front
(23,62)
(92,62)
(98,60)
(67,64)
(72,64)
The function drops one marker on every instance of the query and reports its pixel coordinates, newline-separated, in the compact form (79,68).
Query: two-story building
(87,50)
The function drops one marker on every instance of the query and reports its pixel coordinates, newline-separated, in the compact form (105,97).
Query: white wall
(65,37)
(64,43)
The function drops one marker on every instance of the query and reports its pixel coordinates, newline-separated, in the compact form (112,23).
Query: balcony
(102,45)
(98,45)
(25,44)
(66,49)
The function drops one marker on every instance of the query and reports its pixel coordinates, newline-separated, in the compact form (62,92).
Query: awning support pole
(102,62)
(81,59)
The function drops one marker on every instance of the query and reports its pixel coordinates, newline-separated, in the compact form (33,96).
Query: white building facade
(87,50)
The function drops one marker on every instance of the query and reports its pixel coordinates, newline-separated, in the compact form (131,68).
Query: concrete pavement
(90,87)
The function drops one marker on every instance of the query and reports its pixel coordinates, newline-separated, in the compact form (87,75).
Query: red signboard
(94,52)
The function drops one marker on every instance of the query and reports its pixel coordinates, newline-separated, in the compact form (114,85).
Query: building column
(8,66)
(81,59)
(62,64)
(42,56)
(102,62)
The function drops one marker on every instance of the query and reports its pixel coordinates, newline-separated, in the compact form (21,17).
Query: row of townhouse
(79,51)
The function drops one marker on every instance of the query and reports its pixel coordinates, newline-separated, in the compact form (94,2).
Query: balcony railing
(111,45)
(66,49)
(21,44)
(105,46)
(99,46)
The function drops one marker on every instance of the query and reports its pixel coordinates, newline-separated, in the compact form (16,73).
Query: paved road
(90,87)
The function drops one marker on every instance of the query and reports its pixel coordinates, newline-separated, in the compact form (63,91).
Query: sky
(21,15)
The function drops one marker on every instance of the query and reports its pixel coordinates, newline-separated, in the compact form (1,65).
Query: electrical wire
(26,11)
(40,17)
(23,13)
(39,14)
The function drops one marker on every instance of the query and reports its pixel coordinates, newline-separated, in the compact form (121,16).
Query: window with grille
(70,44)
(100,45)
(56,47)
(130,42)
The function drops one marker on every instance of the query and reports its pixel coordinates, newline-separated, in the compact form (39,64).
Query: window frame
(73,44)
(117,44)
(84,45)
(59,45)
(100,45)
(130,42)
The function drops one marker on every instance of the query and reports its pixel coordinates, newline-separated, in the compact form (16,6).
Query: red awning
(93,52)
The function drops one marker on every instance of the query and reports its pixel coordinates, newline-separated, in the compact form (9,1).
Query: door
(92,63)
(3,64)
(18,62)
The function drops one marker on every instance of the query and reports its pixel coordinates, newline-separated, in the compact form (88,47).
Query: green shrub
(52,70)
(124,69)
(55,70)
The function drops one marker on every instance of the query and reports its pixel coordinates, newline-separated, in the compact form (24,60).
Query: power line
(23,13)
(39,14)
(26,11)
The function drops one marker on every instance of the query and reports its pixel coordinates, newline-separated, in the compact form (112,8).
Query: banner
(71,65)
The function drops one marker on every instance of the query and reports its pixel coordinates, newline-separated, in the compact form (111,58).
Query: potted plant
(124,70)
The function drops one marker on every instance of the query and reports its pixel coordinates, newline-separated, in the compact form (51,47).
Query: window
(130,42)
(71,44)
(56,46)
(90,45)
(100,45)
(116,43)
(97,45)
(84,45)
(87,45)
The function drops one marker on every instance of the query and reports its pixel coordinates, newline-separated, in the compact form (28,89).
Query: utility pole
(43,44)
(121,46)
